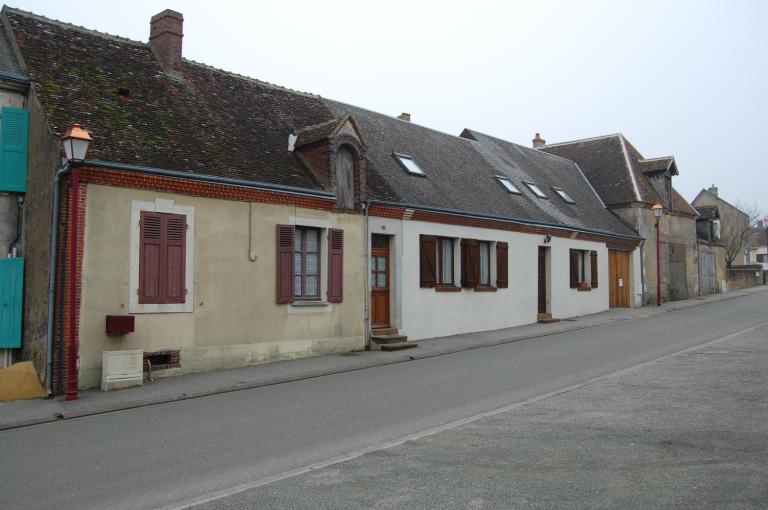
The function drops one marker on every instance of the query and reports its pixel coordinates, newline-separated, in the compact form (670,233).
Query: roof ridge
(250,78)
(630,168)
(524,147)
(656,158)
(395,118)
(72,26)
(581,140)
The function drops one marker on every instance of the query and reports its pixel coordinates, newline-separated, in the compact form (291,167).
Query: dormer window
(409,164)
(508,184)
(535,189)
(562,194)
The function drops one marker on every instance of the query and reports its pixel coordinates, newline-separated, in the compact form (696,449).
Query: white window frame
(563,194)
(508,185)
(535,189)
(161,205)
(301,306)
(409,164)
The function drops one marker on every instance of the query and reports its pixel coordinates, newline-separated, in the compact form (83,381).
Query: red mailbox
(119,324)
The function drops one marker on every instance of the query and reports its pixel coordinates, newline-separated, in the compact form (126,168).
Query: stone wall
(741,277)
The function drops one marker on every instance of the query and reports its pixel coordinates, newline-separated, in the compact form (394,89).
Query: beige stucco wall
(673,229)
(235,320)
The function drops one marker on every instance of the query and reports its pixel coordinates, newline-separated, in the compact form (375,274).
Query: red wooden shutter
(574,269)
(335,265)
(285,263)
(173,267)
(150,254)
(427,256)
(502,265)
(470,263)
(593,268)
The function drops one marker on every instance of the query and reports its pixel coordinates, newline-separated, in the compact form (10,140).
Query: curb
(690,303)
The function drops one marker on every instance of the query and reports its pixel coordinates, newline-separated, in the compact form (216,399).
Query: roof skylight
(409,164)
(565,196)
(535,189)
(508,184)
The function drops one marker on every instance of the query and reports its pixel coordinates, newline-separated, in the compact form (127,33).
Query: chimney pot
(538,141)
(713,189)
(166,30)
(405,116)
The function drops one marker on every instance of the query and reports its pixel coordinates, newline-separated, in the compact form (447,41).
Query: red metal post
(72,345)
(658,267)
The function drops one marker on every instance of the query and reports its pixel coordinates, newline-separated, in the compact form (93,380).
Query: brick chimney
(538,141)
(405,116)
(165,32)
(713,189)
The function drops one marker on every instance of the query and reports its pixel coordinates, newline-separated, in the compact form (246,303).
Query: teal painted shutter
(14,147)
(11,293)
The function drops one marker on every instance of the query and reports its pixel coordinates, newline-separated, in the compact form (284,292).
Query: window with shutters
(162,247)
(583,269)
(302,254)
(306,263)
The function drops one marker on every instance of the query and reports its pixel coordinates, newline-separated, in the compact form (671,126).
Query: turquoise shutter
(11,292)
(14,147)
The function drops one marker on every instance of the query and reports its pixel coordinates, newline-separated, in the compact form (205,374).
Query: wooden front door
(380,281)
(618,276)
(542,280)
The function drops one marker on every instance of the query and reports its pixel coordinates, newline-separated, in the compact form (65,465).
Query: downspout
(367,278)
(642,273)
(72,347)
(52,274)
(698,262)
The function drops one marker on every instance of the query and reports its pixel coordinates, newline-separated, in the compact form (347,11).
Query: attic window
(535,189)
(124,93)
(565,196)
(409,164)
(508,185)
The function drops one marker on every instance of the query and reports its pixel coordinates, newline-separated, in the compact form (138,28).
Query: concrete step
(543,316)
(398,346)
(388,339)
(384,331)
(550,320)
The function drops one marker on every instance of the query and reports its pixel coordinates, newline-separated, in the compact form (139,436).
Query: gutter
(5,75)
(503,219)
(243,183)
(52,273)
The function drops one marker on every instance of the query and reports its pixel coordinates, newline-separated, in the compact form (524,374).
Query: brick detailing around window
(162,360)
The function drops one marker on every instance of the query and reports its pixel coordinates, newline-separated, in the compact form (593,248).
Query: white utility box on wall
(121,369)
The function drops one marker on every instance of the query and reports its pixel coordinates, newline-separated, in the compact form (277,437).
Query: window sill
(447,288)
(584,289)
(485,288)
(310,303)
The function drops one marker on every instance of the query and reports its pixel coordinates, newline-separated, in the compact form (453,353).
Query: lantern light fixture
(76,142)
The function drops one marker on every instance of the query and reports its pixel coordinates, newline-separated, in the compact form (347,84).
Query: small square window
(508,185)
(565,196)
(535,189)
(409,164)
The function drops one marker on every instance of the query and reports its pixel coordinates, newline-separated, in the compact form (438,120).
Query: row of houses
(220,221)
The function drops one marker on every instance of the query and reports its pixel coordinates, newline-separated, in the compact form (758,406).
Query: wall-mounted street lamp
(76,142)
(657,211)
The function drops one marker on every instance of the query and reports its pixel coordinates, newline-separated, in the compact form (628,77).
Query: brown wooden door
(542,280)
(618,276)
(380,281)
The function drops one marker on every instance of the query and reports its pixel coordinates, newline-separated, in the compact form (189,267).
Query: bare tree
(734,230)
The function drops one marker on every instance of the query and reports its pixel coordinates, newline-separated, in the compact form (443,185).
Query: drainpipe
(66,167)
(642,273)
(698,262)
(367,278)
(72,354)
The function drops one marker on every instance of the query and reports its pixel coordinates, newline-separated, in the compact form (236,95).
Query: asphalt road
(170,453)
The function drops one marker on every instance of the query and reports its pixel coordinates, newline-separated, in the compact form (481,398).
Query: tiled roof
(708,212)
(460,174)
(8,62)
(618,171)
(211,122)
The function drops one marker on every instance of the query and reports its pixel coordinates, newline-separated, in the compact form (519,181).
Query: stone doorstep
(388,339)
(546,318)
(383,331)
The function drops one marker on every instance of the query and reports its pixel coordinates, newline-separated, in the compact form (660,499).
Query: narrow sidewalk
(30,412)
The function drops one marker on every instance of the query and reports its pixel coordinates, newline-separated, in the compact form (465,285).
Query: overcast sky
(681,78)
